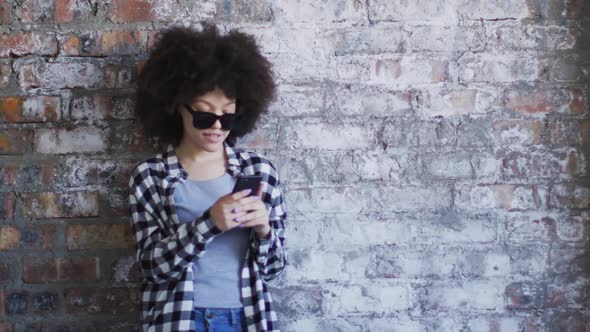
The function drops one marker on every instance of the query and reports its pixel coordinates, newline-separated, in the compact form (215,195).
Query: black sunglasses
(204,120)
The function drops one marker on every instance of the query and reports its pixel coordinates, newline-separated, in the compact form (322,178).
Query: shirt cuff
(206,227)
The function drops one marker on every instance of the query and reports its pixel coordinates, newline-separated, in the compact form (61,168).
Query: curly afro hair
(185,63)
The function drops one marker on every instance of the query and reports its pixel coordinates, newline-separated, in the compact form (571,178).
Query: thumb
(259,192)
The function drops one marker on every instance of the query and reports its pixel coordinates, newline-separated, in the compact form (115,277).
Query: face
(213,102)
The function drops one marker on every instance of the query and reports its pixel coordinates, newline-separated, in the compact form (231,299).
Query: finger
(237,204)
(250,216)
(245,210)
(241,193)
(257,220)
(259,192)
(243,202)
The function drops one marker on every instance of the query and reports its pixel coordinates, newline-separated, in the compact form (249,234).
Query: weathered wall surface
(434,155)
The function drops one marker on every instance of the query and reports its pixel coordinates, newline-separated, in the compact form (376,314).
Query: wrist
(263,234)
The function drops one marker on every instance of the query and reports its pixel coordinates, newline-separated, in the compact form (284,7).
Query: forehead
(215,97)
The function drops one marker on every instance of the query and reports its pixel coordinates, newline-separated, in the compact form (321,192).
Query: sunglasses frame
(233,116)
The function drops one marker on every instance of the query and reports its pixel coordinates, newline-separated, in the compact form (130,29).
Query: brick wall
(434,154)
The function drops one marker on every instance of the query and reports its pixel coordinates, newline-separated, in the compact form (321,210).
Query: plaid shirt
(166,249)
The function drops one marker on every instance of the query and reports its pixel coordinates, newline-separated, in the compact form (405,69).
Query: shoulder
(256,160)
(257,163)
(147,169)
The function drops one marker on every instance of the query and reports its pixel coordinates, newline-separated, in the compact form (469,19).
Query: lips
(213,138)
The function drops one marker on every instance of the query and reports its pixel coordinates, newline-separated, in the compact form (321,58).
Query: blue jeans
(220,320)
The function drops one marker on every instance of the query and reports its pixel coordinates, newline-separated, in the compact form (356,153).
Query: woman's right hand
(222,211)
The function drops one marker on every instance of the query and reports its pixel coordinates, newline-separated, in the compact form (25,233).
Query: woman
(205,253)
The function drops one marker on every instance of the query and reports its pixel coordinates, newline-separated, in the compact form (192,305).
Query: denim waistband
(233,313)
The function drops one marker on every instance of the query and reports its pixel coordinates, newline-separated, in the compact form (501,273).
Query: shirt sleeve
(163,257)
(270,254)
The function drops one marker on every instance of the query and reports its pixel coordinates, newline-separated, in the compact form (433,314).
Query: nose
(217,124)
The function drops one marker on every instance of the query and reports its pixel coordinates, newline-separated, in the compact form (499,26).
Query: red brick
(8,173)
(5,74)
(9,237)
(542,101)
(101,300)
(151,39)
(120,76)
(6,327)
(15,141)
(410,70)
(11,109)
(32,109)
(519,132)
(524,295)
(56,205)
(37,11)
(38,270)
(576,9)
(5,12)
(101,43)
(126,11)
(99,236)
(7,204)
(23,43)
(577,101)
(21,174)
(585,132)
(71,45)
(72,10)
(38,236)
(120,42)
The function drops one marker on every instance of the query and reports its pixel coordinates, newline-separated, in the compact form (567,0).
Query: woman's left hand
(255,214)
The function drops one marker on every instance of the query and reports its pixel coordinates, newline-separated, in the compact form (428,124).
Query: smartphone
(248,182)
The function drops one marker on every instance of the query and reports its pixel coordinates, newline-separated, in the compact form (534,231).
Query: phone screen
(248,182)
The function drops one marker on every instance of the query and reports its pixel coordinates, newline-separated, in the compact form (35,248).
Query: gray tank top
(217,272)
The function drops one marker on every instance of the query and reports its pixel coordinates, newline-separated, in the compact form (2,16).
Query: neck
(194,154)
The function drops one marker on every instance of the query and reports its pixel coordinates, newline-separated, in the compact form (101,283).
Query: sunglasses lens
(204,120)
(228,121)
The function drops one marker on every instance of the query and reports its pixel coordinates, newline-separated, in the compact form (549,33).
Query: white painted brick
(466,295)
(499,68)
(80,140)
(318,12)
(377,297)
(327,136)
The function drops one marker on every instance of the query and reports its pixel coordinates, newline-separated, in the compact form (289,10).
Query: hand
(255,214)
(222,213)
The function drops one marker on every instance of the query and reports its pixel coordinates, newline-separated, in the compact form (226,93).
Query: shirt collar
(176,170)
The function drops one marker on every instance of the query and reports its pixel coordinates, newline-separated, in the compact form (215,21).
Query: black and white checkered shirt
(166,248)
